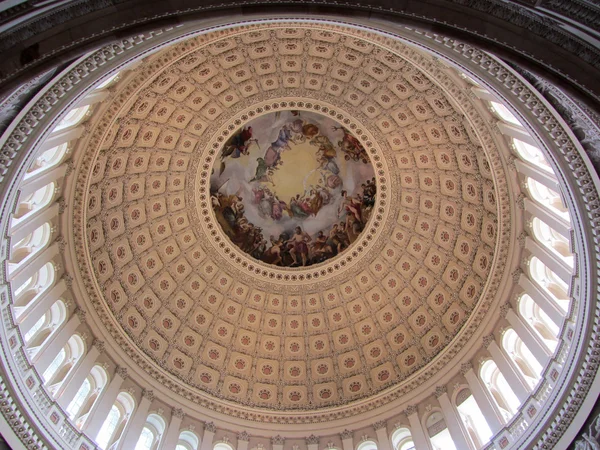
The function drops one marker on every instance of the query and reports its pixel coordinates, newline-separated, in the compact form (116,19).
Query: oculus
(293,188)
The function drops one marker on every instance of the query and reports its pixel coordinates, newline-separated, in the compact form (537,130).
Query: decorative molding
(440,390)
(487,340)
(504,309)
(277,440)
(99,344)
(590,369)
(380,425)
(243,436)
(411,409)
(346,434)
(312,440)
(122,372)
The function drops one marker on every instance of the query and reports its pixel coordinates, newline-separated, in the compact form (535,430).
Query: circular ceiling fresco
(293,188)
(290,217)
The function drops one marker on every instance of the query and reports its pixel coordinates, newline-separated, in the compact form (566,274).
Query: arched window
(367,445)
(58,360)
(33,203)
(402,439)
(146,439)
(63,363)
(109,426)
(47,160)
(25,294)
(29,246)
(549,282)
(187,441)
(438,432)
(115,421)
(472,418)
(532,154)
(80,397)
(499,389)
(538,321)
(548,198)
(552,240)
(151,433)
(87,395)
(504,113)
(45,326)
(73,117)
(222,446)
(520,354)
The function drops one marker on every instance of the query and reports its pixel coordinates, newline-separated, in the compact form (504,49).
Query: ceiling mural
(293,188)
(290,218)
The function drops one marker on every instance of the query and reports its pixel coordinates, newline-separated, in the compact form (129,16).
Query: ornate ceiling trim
(578,170)
(393,394)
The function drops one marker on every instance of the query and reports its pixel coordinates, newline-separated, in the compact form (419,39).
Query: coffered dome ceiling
(178,271)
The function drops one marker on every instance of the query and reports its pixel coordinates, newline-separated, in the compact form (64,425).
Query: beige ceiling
(203,315)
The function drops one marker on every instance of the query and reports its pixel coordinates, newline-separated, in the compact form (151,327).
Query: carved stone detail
(411,409)
(243,436)
(380,425)
(312,439)
(346,434)
(122,372)
(277,440)
(148,393)
(440,390)
(487,340)
(99,344)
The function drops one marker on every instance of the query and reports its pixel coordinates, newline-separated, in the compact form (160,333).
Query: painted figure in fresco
(273,154)
(237,146)
(352,147)
(293,246)
(296,207)
(320,247)
(273,254)
(262,172)
(298,245)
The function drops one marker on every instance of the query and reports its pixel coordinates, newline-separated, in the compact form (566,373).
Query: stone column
(68,389)
(488,409)
(420,439)
(558,223)
(56,341)
(20,273)
(312,442)
(277,443)
(347,440)
(383,440)
(243,439)
(507,368)
(60,137)
(132,431)
(33,222)
(538,348)
(172,435)
(209,434)
(101,408)
(40,306)
(539,175)
(542,299)
(32,184)
(554,263)
(453,420)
